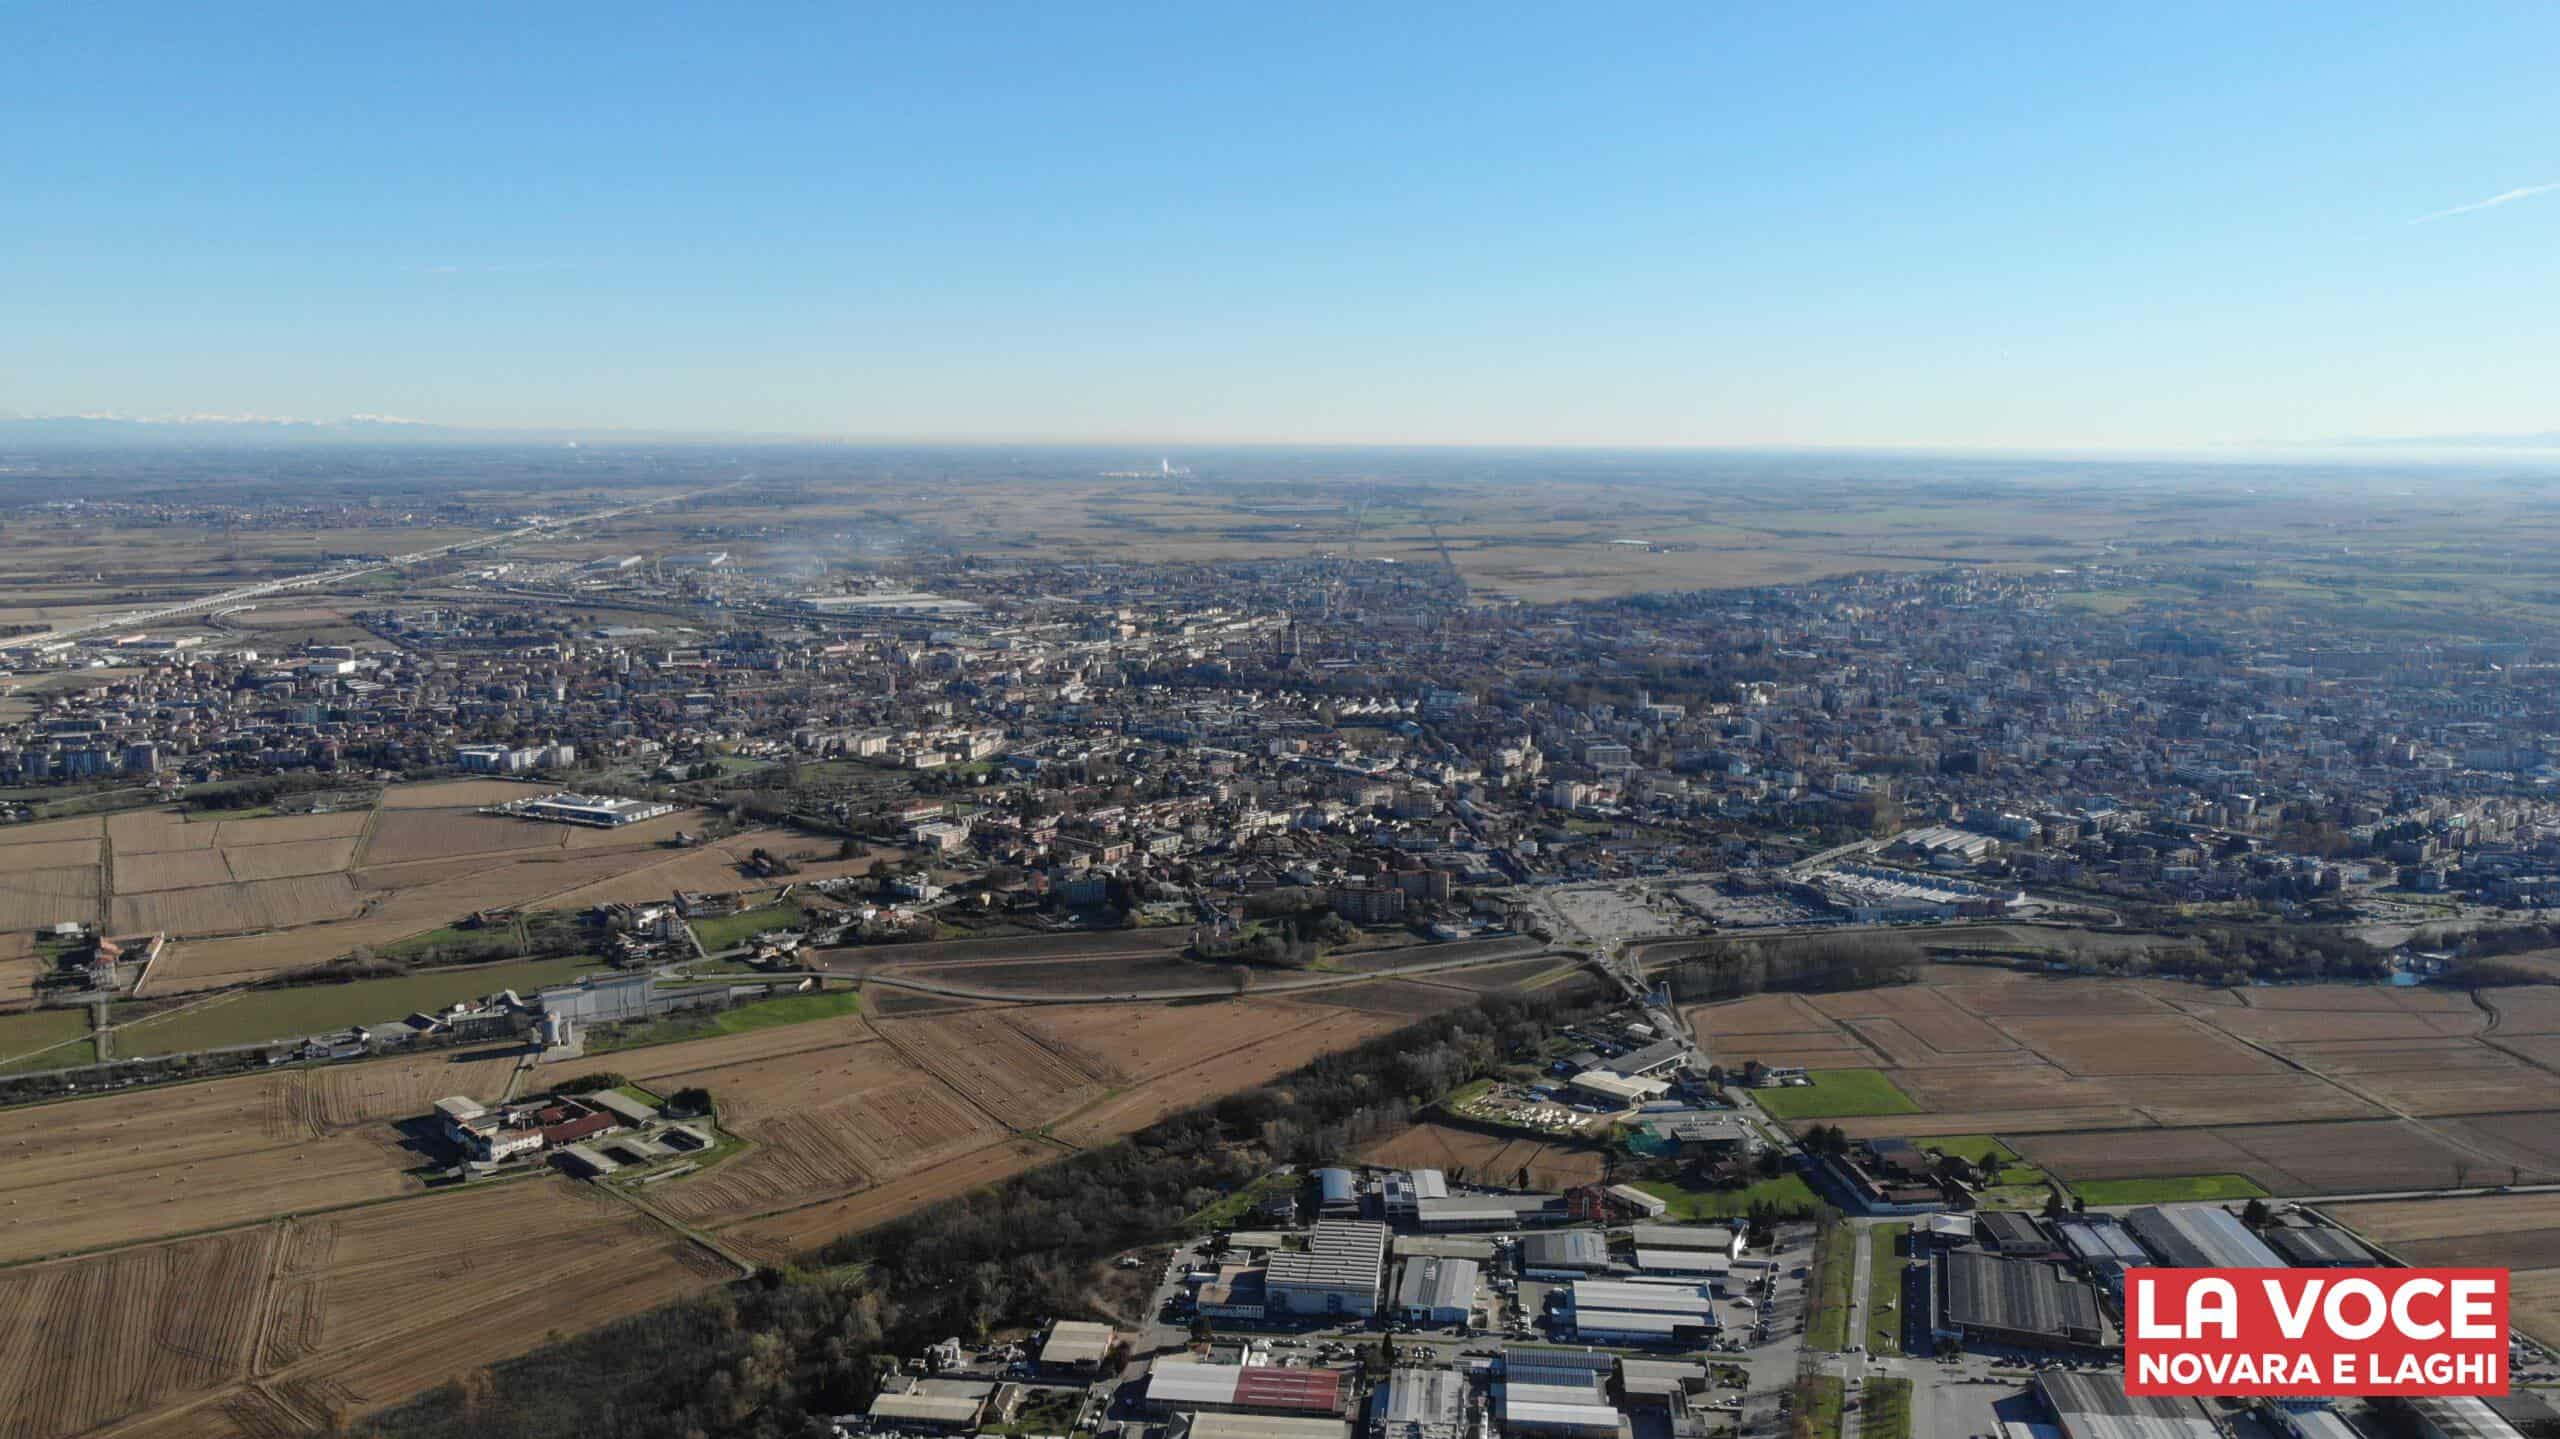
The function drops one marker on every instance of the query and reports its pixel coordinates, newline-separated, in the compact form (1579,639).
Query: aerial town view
(834,842)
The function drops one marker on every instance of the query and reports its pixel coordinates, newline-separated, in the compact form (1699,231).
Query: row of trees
(1733,969)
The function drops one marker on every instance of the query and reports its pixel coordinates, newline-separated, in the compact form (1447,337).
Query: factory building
(2199,1236)
(1420,1404)
(1487,1211)
(1608,1311)
(2101,1246)
(1437,1291)
(1405,1190)
(1339,1272)
(2023,1303)
(1337,1194)
(1188,1386)
(1571,1402)
(2095,1406)
(1077,1347)
(1257,1426)
(1564,1254)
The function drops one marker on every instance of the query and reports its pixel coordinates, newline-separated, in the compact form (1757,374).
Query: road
(1260,984)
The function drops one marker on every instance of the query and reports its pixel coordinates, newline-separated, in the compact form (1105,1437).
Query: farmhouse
(1339,1272)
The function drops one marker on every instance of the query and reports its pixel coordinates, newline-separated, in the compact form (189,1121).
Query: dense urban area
(798,943)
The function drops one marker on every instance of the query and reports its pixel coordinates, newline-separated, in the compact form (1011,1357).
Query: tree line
(1736,968)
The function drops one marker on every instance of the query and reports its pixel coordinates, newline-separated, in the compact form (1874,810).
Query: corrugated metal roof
(1623,1321)
(2095,1406)
(1267,1386)
(1639,1298)
(1188,1381)
(2200,1236)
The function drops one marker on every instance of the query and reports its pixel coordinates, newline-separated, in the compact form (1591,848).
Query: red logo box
(2203,1332)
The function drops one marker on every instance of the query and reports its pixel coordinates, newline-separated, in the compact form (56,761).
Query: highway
(1260,983)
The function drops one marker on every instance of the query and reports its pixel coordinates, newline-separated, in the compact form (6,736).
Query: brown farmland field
(1284,1038)
(93,1340)
(824,1121)
(369,1307)
(47,854)
(777,1237)
(1407,998)
(458,793)
(349,1096)
(37,898)
(2137,1043)
(1021,1078)
(2505,1231)
(239,908)
(148,1163)
(2349,1155)
(1487,1158)
(2436,1076)
(408,834)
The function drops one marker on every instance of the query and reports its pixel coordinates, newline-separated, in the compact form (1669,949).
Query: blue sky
(2157,227)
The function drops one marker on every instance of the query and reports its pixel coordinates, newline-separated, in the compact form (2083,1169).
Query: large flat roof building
(2095,1406)
(1437,1291)
(1339,1272)
(1420,1404)
(1987,1298)
(2200,1236)
(1187,1385)
(1564,1253)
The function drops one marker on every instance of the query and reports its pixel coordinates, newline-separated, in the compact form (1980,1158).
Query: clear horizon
(2187,231)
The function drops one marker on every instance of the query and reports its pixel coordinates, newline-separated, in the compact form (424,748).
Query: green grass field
(1836,1094)
(23,1034)
(1884,1409)
(1884,1288)
(1835,1271)
(267,1014)
(2183,1189)
(728,931)
(1788,1192)
(1820,1398)
(72,1055)
(761,1014)
(2010,1171)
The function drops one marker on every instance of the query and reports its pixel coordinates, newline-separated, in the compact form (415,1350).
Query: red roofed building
(584,1127)
(1295,1391)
